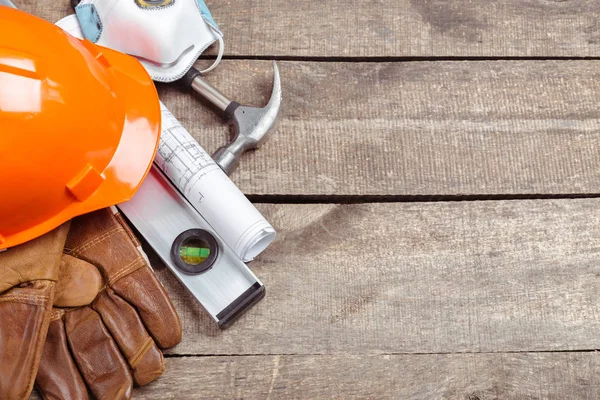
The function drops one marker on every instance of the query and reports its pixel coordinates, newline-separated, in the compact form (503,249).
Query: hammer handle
(194,79)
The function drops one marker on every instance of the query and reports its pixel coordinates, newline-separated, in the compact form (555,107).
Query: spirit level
(221,282)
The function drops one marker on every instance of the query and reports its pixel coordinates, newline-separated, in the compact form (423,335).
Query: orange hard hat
(79,126)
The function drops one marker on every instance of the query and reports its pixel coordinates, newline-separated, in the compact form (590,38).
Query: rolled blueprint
(210,191)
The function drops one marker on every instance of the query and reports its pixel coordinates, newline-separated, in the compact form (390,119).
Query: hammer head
(252,127)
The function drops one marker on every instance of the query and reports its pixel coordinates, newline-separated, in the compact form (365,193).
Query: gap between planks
(182,355)
(394,59)
(362,199)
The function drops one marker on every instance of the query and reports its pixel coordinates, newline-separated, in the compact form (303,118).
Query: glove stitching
(56,314)
(25,299)
(31,295)
(41,340)
(127,229)
(78,250)
(136,264)
(137,357)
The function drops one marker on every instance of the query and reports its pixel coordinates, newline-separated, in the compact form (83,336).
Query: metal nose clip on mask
(167,36)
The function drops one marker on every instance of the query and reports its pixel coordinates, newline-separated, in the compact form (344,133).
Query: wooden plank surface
(559,376)
(397,28)
(422,128)
(416,278)
(548,376)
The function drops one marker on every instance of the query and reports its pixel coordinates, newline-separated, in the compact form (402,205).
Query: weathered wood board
(397,28)
(556,376)
(548,376)
(423,128)
(488,276)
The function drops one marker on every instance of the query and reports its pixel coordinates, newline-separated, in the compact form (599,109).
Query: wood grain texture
(460,377)
(397,28)
(422,128)
(416,278)
(548,376)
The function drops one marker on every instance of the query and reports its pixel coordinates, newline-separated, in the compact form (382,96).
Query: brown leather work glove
(28,275)
(113,342)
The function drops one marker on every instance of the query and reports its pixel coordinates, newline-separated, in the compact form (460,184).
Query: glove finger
(79,282)
(123,322)
(25,316)
(104,239)
(97,355)
(58,377)
(143,290)
(154,300)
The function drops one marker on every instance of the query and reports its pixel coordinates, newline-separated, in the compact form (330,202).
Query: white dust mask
(167,36)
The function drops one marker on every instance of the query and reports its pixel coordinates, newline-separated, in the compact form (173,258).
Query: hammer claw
(252,127)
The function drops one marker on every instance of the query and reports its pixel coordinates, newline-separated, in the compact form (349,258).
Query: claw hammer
(252,125)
